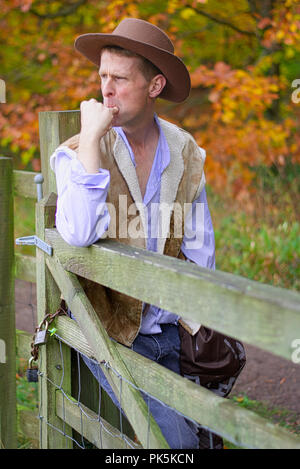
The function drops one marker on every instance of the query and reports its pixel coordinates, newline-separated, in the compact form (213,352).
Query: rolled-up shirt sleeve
(82,216)
(198,244)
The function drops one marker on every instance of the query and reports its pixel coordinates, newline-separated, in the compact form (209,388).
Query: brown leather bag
(211,359)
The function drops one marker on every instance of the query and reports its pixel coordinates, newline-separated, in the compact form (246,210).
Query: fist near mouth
(96,118)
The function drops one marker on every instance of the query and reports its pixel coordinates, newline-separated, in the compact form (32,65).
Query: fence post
(52,131)
(8,426)
(55,127)
(52,428)
(54,359)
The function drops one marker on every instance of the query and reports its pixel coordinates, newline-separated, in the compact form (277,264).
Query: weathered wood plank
(105,349)
(238,425)
(24,184)
(86,423)
(55,127)
(23,341)
(8,417)
(28,425)
(258,314)
(54,363)
(69,331)
(25,267)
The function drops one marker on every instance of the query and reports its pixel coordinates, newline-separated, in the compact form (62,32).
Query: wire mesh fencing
(91,422)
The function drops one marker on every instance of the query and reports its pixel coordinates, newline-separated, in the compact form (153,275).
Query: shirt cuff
(90,181)
(78,174)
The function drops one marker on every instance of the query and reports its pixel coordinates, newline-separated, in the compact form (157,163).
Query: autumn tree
(242,55)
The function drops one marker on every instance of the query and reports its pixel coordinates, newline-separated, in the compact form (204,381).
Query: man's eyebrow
(113,75)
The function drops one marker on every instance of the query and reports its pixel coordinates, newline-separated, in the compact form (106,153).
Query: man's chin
(117,121)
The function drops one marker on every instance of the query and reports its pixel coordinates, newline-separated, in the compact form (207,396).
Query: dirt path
(265,378)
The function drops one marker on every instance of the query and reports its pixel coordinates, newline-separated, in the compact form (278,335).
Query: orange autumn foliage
(240,54)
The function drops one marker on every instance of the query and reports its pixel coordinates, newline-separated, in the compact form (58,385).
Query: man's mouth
(109,105)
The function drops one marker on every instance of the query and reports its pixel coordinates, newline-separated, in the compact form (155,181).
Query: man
(116,179)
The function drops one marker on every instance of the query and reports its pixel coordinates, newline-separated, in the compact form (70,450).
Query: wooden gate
(258,314)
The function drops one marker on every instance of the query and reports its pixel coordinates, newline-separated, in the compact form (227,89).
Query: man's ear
(156,86)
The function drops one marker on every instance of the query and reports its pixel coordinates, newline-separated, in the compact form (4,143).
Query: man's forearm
(89,154)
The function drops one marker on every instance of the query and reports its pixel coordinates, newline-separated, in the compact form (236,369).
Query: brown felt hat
(149,41)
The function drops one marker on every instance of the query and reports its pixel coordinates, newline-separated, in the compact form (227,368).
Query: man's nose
(107,87)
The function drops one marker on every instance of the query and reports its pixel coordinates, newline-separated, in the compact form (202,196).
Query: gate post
(8,411)
(54,432)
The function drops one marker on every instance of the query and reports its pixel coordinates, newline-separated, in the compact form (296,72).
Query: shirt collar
(160,162)
(162,155)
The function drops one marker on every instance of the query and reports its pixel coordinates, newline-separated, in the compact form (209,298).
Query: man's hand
(96,120)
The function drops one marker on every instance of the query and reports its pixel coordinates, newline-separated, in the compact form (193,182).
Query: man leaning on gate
(117,178)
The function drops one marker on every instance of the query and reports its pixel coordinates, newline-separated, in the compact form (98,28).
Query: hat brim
(178,84)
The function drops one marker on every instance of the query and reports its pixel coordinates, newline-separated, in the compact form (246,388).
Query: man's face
(124,86)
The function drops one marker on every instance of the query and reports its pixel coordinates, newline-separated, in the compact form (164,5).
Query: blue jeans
(163,348)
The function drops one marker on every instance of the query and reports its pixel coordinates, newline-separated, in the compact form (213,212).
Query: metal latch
(35,241)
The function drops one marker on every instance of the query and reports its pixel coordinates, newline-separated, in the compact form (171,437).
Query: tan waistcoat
(181,182)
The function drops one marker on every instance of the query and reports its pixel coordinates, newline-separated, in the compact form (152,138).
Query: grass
(24,223)
(277,415)
(261,248)
(259,252)
(27,399)
(27,393)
